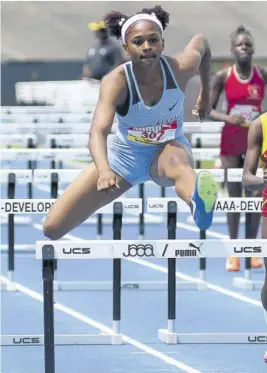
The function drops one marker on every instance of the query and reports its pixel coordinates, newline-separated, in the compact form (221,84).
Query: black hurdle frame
(11,185)
(31,166)
(141,215)
(53,145)
(202,233)
(248,231)
(48,267)
(117,227)
(171,226)
(54,195)
(48,271)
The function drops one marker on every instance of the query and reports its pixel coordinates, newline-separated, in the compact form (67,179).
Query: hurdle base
(9,286)
(126,285)
(245,284)
(211,338)
(62,340)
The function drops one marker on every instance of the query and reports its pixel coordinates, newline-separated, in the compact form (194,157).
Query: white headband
(138,17)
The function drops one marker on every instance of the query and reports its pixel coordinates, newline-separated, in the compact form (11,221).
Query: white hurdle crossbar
(223,205)
(171,249)
(23,177)
(121,249)
(42,206)
(81,154)
(18,140)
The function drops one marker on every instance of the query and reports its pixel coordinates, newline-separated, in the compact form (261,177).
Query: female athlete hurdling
(257,149)
(147,95)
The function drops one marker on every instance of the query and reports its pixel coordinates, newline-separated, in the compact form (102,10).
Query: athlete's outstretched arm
(195,59)
(250,180)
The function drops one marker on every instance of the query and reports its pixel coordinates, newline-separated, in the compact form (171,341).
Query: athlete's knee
(176,166)
(51,230)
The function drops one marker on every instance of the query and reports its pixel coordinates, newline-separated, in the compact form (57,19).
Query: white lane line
(105,329)
(210,285)
(180,275)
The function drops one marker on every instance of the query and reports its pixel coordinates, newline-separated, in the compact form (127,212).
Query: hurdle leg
(99,226)
(48,294)
(168,335)
(202,265)
(141,215)
(246,282)
(54,195)
(11,235)
(117,226)
(31,166)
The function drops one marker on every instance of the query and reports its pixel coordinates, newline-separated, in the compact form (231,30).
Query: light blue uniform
(144,130)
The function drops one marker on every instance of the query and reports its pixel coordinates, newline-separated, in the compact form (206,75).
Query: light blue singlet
(143,130)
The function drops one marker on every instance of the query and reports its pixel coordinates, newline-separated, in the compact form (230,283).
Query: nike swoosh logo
(171,108)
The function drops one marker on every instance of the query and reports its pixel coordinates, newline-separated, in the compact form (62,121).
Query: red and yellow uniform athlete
(257,148)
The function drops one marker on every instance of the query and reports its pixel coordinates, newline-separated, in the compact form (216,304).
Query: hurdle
(11,178)
(42,206)
(13,206)
(44,128)
(170,249)
(81,154)
(21,140)
(47,117)
(116,250)
(11,110)
(235,205)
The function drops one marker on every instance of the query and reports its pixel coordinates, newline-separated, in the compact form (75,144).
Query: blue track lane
(143,312)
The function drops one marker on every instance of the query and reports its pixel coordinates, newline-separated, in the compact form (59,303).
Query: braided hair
(115,20)
(241,30)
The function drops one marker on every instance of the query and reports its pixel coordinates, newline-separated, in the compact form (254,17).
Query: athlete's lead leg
(174,166)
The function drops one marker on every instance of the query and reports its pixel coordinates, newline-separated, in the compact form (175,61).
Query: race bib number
(153,135)
(249,112)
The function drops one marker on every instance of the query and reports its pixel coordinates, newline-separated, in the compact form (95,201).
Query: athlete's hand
(237,119)
(202,108)
(107,181)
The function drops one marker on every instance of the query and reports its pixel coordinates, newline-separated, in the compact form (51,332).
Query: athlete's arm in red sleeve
(263,72)
(112,88)
(250,180)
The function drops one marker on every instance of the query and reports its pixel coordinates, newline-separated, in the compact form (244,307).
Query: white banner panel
(194,127)
(15,139)
(153,249)
(21,176)
(22,206)
(206,139)
(42,206)
(64,176)
(236,174)
(222,205)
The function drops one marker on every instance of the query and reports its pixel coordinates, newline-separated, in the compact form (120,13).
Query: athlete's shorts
(264,207)
(234,140)
(133,163)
